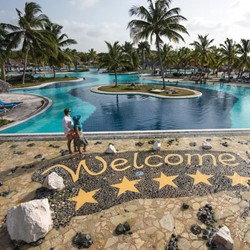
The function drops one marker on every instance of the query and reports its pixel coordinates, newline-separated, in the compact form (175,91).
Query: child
(79,138)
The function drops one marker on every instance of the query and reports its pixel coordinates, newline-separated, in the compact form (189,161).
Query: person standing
(68,128)
(79,138)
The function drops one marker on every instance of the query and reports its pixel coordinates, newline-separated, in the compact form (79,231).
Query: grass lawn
(40,81)
(4,122)
(150,89)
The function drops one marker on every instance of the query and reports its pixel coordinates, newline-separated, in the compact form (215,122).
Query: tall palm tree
(114,59)
(30,33)
(156,22)
(228,53)
(202,49)
(61,40)
(243,49)
(4,49)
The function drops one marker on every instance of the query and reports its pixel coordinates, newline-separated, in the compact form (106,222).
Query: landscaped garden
(147,89)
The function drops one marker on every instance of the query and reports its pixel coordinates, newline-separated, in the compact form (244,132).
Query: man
(68,128)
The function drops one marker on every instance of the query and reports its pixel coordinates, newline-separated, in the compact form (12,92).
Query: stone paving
(152,221)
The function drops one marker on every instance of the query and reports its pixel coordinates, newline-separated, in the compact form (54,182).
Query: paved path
(31,105)
(152,220)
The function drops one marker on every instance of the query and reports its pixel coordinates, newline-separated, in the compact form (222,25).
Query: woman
(68,128)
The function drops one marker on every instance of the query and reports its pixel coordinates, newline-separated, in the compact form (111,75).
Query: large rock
(157,146)
(29,221)
(54,181)
(206,145)
(111,149)
(223,238)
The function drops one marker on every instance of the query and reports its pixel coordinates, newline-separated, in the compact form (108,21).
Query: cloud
(8,17)
(84,3)
(94,35)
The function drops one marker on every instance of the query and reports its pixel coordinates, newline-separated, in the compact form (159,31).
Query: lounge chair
(7,106)
(3,110)
(6,103)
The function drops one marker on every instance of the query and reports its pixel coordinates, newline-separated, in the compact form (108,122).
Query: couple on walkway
(73,131)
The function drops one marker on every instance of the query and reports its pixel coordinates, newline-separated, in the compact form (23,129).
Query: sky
(92,22)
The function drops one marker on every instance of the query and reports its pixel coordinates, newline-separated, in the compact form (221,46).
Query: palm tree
(30,33)
(243,49)
(202,49)
(167,56)
(217,61)
(156,22)
(61,56)
(4,49)
(131,55)
(228,52)
(144,49)
(114,59)
(92,56)
(182,58)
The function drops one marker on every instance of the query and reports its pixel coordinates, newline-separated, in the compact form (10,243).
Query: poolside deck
(153,218)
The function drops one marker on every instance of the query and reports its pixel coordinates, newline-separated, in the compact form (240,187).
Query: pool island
(144,89)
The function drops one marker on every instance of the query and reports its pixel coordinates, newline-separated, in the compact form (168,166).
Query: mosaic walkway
(145,188)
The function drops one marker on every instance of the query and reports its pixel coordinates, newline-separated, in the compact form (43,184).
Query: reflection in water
(139,112)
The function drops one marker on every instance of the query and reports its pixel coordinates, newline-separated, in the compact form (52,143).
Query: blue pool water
(218,107)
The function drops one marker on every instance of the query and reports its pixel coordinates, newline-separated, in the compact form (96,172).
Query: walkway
(152,205)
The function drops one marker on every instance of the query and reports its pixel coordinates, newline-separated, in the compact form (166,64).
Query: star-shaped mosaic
(238,179)
(84,197)
(201,178)
(166,180)
(126,185)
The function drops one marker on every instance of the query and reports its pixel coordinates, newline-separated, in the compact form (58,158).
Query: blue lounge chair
(3,110)
(7,103)
(7,106)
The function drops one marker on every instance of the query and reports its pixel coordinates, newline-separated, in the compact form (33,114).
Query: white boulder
(54,181)
(111,149)
(29,221)
(223,237)
(206,145)
(157,145)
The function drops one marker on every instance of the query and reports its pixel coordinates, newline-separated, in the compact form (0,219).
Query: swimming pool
(219,107)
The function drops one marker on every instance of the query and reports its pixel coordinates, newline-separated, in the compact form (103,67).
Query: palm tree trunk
(3,76)
(25,64)
(115,78)
(161,66)
(54,71)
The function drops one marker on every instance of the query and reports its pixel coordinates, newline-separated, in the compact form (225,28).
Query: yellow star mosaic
(126,185)
(166,180)
(238,179)
(201,178)
(84,197)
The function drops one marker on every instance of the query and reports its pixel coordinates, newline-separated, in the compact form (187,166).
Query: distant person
(68,128)
(83,78)
(79,138)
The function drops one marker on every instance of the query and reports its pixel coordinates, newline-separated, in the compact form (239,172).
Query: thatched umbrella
(4,86)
